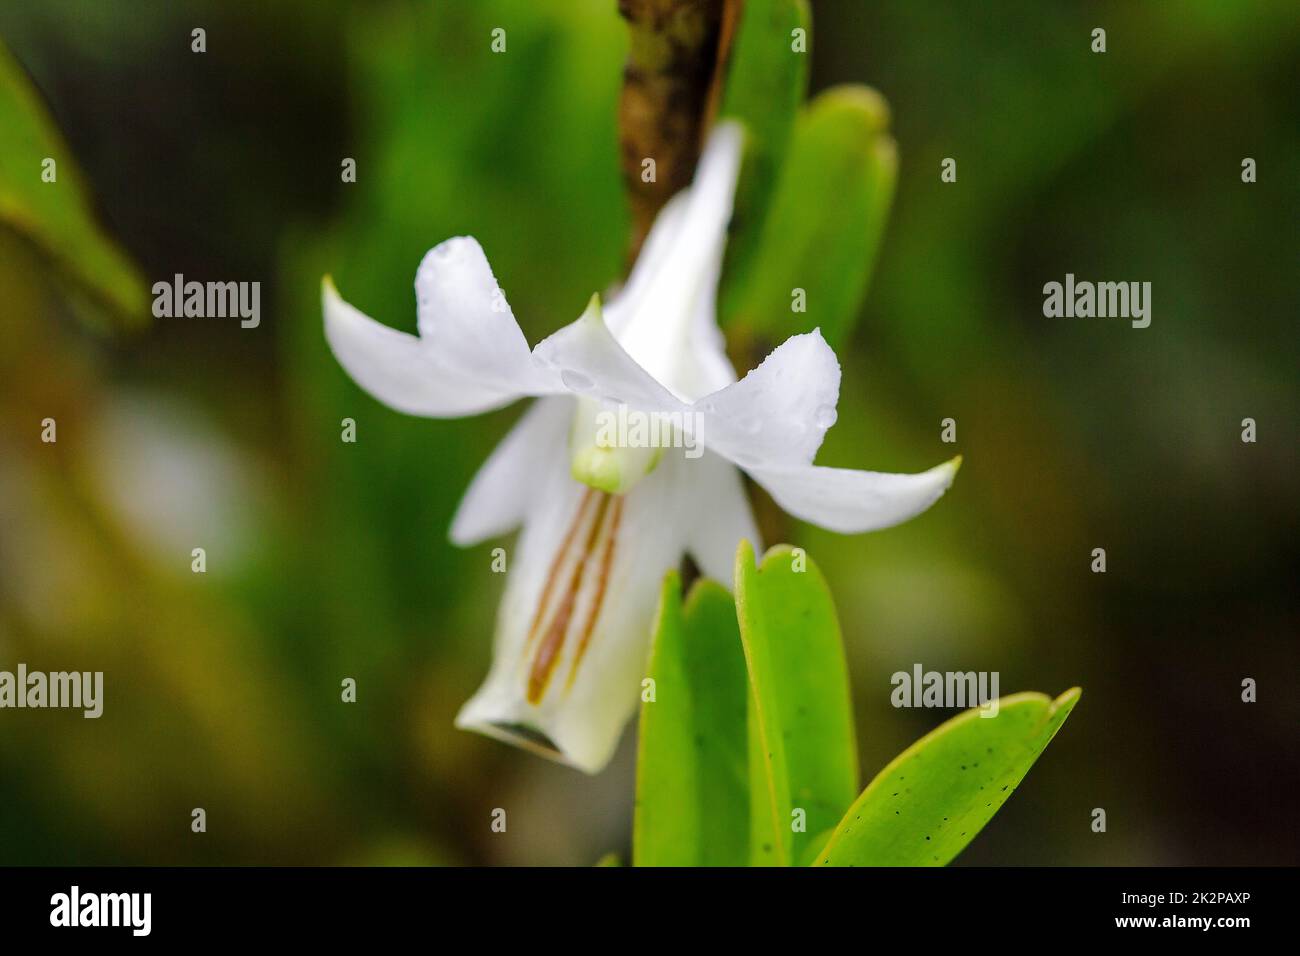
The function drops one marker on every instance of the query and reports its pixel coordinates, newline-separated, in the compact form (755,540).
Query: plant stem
(672,61)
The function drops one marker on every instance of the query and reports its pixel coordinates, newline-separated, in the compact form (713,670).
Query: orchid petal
(590,362)
(399,369)
(649,263)
(725,521)
(780,411)
(708,368)
(470,355)
(712,194)
(656,315)
(465,320)
(851,502)
(505,487)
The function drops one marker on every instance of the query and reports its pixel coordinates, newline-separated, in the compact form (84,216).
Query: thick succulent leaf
(932,799)
(767,80)
(825,223)
(55,217)
(692,803)
(803,760)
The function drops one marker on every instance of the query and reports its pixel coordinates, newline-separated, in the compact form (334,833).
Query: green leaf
(692,804)
(55,217)
(827,217)
(932,799)
(767,82)
(802,751)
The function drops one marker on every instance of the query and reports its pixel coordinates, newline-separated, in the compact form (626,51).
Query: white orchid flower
(603,523)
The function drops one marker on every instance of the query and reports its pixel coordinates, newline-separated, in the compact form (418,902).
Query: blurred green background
(328,560)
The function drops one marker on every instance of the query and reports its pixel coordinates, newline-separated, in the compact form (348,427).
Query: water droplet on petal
(825,416)
(576,381)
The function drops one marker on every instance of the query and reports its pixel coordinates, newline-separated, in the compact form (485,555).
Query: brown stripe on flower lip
(552,642)
(602,585)
(553,576)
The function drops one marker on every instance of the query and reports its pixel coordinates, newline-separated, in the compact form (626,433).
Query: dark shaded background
(329,560)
